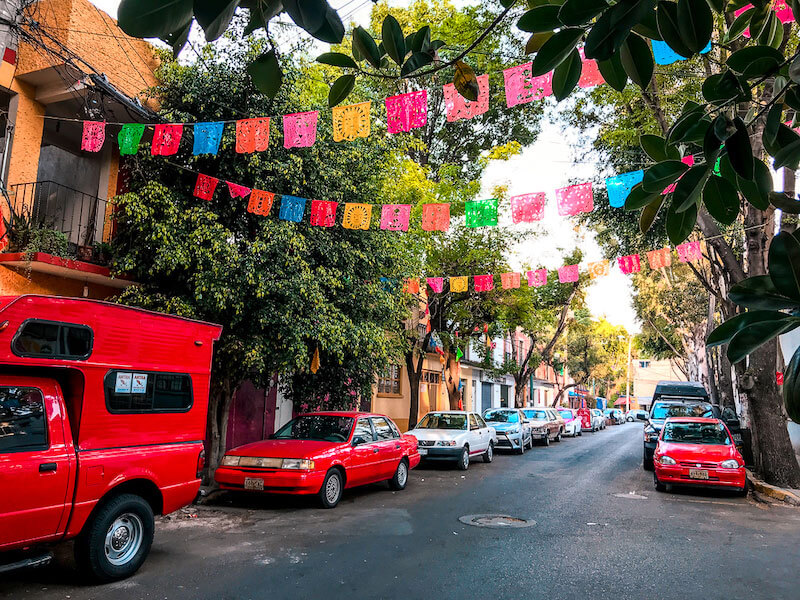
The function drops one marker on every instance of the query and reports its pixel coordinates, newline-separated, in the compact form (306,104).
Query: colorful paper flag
(395,217)
(94,134)
(509,281)
(459,284)
(357,216)
(315,361)
(260,202)
(619,186)
(483,283)
(458,107)
(323,213)
(689,162)
(129,138)
(689,252)
(481,213)
(406,111)
(527,208)
(166,139)
(436,284)
(782,11)
(590,72)
(568,273)
(659,258)
(598,269)
(204,186)
(411,285)
(629,264)
(237,191)
(436,217)
(252,135)
(292,208)
(351,122)
(521,87)
(664,55)
(537,278)
(300,129)
(575,199)
(207,137)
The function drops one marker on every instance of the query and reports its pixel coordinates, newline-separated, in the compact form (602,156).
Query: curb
(772,491)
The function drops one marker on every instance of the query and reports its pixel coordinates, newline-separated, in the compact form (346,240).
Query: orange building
(61,60)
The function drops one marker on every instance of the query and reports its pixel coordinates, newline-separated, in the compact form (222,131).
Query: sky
(543,166)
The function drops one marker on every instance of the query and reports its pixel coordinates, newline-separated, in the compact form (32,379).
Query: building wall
(17,281)
(646,378)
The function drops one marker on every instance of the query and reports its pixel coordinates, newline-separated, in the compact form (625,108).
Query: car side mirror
(641,417)
(358,440)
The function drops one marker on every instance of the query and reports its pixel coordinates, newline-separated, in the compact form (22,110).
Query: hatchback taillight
(201,463)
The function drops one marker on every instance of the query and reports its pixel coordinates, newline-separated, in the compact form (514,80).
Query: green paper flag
(459,354)
(129,137)
(482,213)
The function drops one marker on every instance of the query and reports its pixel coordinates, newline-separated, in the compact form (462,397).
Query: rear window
(664,410)
(146,392)
(22,419)
(52,339)
(565,413)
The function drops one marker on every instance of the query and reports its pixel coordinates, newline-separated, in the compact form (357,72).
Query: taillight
(201,463)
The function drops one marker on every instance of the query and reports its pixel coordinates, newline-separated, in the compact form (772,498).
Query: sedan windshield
(502,416)
(328,428)
(536,414)
(443,421)
(664,410)
(696,433)
(565,413)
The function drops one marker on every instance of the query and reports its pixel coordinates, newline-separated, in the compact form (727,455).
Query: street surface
(601,532)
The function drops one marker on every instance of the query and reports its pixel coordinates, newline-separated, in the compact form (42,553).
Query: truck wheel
(400,479)
(117,540)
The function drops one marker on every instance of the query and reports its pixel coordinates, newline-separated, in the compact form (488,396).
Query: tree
(282,291)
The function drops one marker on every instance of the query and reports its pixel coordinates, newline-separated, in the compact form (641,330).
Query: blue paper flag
(664,55)
(207,137)
(619,186)
(292,208)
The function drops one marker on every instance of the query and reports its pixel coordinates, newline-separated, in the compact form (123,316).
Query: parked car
(572,422)
(104,410)
(614,416)
(545,425)
(512,429)
(634,414)
(698,452)
(455,435)
(598,419)
(322,453)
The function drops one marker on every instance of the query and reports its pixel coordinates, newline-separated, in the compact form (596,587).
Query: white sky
(542,167)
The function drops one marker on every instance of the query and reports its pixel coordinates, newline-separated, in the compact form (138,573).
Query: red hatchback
(698,452)
(322,453)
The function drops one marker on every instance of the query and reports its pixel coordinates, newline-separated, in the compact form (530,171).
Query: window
(364,430)
(138,392)
(644,364)
(431,377)
(389,382)
(443,421)
(22,420)
(382,429)
(473,422)
(52,339)
(327,428)
(481,422)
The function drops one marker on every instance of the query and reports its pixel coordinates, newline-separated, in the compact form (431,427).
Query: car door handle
(397,446)
(47,467)
(374,450)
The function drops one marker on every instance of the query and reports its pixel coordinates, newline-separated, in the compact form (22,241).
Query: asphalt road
(600,531)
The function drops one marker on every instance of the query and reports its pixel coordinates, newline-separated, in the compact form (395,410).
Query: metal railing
(80,216)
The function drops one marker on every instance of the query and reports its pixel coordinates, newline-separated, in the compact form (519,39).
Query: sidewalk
(772,491)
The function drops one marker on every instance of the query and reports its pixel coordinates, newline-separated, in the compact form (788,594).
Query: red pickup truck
(102,419)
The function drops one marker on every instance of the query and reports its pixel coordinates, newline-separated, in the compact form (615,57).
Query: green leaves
(214,16)
(727,330)
(656,148)
(757,190)
(721,199)
(566,75)
(393,39)
(661,175)
(740,153)
(680,224)
(689,187)
(722,87)
(637,60)
(695,22)
(556,50)
(578,12)
(667,21)
(614,26)
(153,18)
(341,89)
(337,59)
(465,81)
(366,47)
(750,338)
(785,202)
(784,264)
(416,61)
(266,73)
(755,61)
(542,18)
(639,198)
(613,71)
(649,214)
(759,292)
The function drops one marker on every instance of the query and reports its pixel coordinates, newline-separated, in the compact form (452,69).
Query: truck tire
(117,539)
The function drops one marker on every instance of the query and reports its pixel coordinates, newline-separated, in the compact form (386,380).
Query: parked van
(102,420)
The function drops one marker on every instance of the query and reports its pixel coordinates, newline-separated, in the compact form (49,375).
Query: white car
(572,422)
(455,435)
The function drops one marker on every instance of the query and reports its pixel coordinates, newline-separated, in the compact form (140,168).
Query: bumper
(441,453)
(513,441)
(538,436)
(649,449)
(678,475)
(275,481)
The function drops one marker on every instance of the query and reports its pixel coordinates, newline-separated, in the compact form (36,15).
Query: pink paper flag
(323,213)
(436,217)
(436,284)
(94,134)
(629,264)
(395,217)
(537,278)
(568,273)
(238,191)
(590,72)
(527,208)
(575,199)
(406,111)
(782,11)
(689,162)
(300,129)
(522,88)
(484,283)
(458,107)
(166,139)
(510,281)
(689,252)
(659,258)
(205,186)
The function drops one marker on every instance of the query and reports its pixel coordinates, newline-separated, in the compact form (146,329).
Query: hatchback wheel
(332,487)
(463,460)
(400,478)
(660,487)
(488,456)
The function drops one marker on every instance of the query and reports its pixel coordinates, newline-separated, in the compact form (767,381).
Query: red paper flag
(527,208)
(252,135)
(237,191)
(590,72)
(260,202)
(94,134)
(166,139)
(205,186)
(323,213)
(509,281)
(568,274)
(629,264)
(575,199)
(537,278)
(659,258)
(436,217)
(484,283)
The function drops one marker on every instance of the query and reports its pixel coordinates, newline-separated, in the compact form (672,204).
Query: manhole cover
(496,521)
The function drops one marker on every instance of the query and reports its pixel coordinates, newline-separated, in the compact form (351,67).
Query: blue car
(511,427)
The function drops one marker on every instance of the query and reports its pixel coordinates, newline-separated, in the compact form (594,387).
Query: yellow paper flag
(459,284)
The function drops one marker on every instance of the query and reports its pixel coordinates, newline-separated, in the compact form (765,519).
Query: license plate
(422,451)
(253,483)
(698,474)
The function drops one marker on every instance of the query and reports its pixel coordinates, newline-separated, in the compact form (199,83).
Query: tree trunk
(219,404)
(519,391)
(414,376)
(452,379)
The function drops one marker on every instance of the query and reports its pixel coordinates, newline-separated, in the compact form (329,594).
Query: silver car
(513,430)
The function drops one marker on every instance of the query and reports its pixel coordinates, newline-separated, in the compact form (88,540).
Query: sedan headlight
(667,460)
(297,463)
(446,443)
(539,429)
(514,431)
(230,461)
(729,464)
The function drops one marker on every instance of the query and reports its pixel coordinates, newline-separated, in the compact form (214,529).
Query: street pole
(628,379)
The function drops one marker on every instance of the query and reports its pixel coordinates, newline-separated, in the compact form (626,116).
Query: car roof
(693,388)
(450,412)
(341,413)
(692,420)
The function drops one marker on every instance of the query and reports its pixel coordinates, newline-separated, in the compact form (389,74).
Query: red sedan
(322,453)
(698,452)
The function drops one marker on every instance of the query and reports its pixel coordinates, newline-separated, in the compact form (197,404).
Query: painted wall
(17,281)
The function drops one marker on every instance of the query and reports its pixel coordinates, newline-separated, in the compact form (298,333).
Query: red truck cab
(103,413)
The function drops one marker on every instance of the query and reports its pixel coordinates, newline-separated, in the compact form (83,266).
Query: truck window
(22,420)
(52,339)
(146,391)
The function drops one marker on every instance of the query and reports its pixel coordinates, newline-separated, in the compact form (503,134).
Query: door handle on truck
(47,467)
